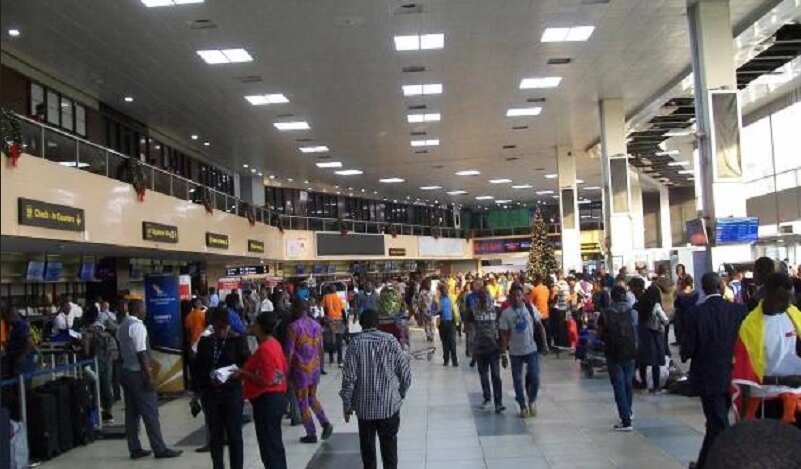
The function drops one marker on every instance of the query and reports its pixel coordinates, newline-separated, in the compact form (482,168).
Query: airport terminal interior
(250,233)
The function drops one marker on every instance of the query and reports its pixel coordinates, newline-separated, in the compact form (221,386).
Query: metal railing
(44,141)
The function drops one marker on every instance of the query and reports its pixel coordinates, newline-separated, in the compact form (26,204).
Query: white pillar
(665,229)
(568,209)
(717,112)
(637,212)
(618,228)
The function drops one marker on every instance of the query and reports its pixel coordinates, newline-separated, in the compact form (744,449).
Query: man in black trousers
(712,329)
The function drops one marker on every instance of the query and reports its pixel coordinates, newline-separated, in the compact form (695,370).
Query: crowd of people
(267,345)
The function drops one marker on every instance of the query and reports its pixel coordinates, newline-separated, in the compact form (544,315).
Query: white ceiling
(335,61)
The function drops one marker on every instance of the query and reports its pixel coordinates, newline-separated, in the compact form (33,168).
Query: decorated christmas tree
(541,259)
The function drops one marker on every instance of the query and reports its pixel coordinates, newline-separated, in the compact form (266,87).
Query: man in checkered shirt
(375,379)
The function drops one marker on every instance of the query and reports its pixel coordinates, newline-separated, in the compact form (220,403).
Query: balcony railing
(55,145)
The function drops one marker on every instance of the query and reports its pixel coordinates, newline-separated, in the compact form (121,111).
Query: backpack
(619,335)
(104,344)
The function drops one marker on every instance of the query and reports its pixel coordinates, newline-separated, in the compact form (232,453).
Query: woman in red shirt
(265,379)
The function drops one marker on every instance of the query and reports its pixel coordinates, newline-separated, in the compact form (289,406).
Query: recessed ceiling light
(468,172)
(425,143)
(13,32)
(541,82)
(523,186)
(544,192)
(427,89)
(206,144)
(579,181)
(418,118)
(296,125)
(244,165)
(128,99)
(503,201)
(574,34)
(315,149)
(459,192)
(290,180)
(224,56)
(419,42)
(263,99)
(500,181)
(349,172)
(329,164)
(687,171)
(551,176)
(592,188)
(194,137)
(678,163)
(524,112)
(272,176)
(484,197)
(584,201)
(667,153)
(430,188)
(168,3)
(391,180)
(253,170)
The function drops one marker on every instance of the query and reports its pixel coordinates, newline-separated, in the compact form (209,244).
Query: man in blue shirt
(447,326)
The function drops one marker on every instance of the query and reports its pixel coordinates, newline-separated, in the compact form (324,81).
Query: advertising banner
(185,287)
(163,311)
(500,246)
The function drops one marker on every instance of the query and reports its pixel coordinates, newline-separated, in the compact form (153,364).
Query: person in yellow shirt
(493,287)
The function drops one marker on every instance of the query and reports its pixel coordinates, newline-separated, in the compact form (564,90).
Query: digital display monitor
(736,230)
(53,271)
(35,271)
(87,273)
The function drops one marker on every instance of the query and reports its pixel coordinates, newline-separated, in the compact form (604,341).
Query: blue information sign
(736,230)
(163,311)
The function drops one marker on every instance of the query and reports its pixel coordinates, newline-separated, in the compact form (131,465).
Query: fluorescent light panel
(484,197)
(678,163)
(430,188)
(349,172)
(524,112)
(539,82)
(468,172)
(420,118)
(419,42)
(523,186)
(572,34)
(459,192)
(500,181)
(544,192)
(315,149)
(263,99)
(391,180)
(329,164)
(425,143)
(224,56)
(426,89)
(292,125)
(503,201)
(551,176)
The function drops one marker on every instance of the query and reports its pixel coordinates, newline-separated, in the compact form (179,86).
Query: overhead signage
(159,233)
(500,246)
(736,230)
(243,270)
(256,246)
(397,251)
(47,215)
(216,240)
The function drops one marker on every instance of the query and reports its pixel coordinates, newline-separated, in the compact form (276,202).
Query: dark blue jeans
(621,374)
(268,410)
(532,380)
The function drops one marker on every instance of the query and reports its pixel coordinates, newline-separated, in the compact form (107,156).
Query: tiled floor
(442,428)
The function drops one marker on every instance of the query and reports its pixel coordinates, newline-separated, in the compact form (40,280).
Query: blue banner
(163,311)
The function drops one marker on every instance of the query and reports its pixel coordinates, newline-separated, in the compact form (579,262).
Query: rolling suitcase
(82,402)
(62,394)
(43,437)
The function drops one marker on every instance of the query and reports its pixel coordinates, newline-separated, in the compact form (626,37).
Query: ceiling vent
(513,158)
(202,24)
(420,152)
(509,147)
(408,8)
(417,107)
(250,79)
(520,127)
(418,133)
(413,69)
(304,140)
(535,100)
(285,116)
(438,166)
(594,2)
(324,157)
(559,61)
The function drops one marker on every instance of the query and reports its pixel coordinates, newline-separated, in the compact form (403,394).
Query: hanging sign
(47,215)
(256,246)
(159,233)
(217,241)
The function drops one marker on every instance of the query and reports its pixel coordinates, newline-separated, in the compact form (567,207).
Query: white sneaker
(619,427)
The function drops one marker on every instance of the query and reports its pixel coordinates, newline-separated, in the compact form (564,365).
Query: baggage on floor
(43,437)
(18,446)
(82,392)
(62,393)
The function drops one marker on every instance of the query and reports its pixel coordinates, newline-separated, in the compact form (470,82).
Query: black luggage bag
(43,426)
(62,393)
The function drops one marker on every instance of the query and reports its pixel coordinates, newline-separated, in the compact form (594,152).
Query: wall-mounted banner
(159,233)
(216,240)
(397,251)
(498,246)
(163,312)
(47,215)
(256,246)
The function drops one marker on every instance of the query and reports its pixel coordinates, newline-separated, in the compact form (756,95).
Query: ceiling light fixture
(349,172)
(168,3)
(544,192)
(13,32)
(427,89)
(419,118)
(524,112)
(503,201)
(579,181)
(419,42)
(687,171)
(484,197)
(468,172)
(541,82)
(294,125)
(206,144)
(425,143)
(458,192)
(500,181)
(128,99)
(523,186)
(263,99)
(224,56)
(551,176)
(667,153)
(329,164)
(315,149)
(244,165)
(573,34)
(195,137)
(430,188)
(391,180)
(678,163)
(592,188)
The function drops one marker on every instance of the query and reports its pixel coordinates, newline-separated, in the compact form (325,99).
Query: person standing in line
(98,342)
(234,318)
(667,292)
(265,386)
(763,267)
(424,302)
(651,333)
(447,326)
(214,298)
(18,348)
(335,321)
(221,394)
(711,331)
(618,329)
(518,327)
(140,396)
(265,306)
(375,380)
(302,346)
(487,351)
(686,298)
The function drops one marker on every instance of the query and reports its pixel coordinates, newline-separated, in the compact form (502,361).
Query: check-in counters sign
(159,233)
(52,216)
(217,241)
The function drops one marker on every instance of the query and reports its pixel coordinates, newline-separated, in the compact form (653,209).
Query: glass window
(53,111)
(787,138)
(66,113)
(80,120)
(756,150)
(37,101)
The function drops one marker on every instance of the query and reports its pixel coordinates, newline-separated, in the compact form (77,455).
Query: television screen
(53,271)
(35,271)
(736,230)
(696,232)
(87,273)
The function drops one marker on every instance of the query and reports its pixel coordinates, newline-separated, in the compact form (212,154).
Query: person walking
(518,326)
(335,321)
(141,401)
(710,333)
(423,303)
(302,346)
(486,349)
(375,380)
(539,298)
(447,325)
(265,386)
(221,393)
(618,329)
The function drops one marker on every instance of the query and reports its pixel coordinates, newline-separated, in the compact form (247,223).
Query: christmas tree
(541,259)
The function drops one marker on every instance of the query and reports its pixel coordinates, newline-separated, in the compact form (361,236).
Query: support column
(618,230)
(251,189)
(568,209)
(665,230)
(637,212)
(718,121)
